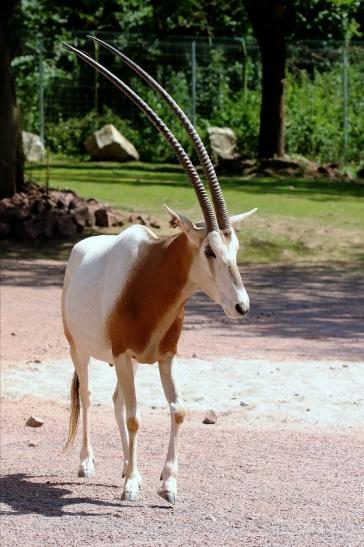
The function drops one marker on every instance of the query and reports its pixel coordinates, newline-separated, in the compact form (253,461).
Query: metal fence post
(193,83)
(41,90)
(345,100)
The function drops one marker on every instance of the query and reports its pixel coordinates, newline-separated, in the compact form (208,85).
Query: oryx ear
(236,219)
(180,221)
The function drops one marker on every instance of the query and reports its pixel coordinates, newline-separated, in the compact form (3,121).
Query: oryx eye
(209,252)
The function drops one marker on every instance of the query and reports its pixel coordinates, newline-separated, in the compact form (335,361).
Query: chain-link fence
(217,82)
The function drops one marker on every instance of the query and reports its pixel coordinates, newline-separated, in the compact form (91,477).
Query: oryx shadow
(23,496)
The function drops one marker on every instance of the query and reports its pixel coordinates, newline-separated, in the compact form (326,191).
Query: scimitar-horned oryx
(124,296)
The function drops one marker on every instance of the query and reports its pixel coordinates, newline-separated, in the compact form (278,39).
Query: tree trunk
(271,134)
(268,18)
(11,149)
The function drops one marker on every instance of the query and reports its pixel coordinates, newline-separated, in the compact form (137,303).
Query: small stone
(210,418)
(194,355)
(13,334)
(141,219)
(32,445)
(308,410)
(243,403)
(33,421)
(38,361)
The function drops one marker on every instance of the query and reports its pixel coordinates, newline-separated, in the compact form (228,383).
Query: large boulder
(222,144)
(108,144)
(33,147)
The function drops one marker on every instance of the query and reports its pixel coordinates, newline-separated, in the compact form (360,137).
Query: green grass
(297,220)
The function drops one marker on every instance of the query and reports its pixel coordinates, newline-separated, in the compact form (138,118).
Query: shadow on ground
(49,499)
(309,302)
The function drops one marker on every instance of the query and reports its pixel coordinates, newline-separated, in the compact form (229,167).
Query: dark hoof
(168,496)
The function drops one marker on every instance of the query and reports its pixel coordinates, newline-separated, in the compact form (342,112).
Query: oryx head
(214,267)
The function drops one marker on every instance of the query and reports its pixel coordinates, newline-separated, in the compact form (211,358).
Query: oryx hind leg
(81,362)
(125,371)
(167,369)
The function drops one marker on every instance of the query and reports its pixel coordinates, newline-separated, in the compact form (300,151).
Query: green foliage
(315,116)
(150,144)
(68,136)
(228,83)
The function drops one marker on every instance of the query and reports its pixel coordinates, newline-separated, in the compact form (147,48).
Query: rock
(101,217)
(32,445)
(12,214)
(33,147)
(81,216)
(66,200)
(28,230)
(37,206)
(243,404)
(104,217)
(329,170)
(108,144)
(48,212)
(93,205)
(222,144)
(47,221)
(210,418)
(66,226)
(155,224)
(115,219)
(138,218)
(5,230)
(34,421)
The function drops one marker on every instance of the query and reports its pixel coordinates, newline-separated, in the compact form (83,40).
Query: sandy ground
(282,465)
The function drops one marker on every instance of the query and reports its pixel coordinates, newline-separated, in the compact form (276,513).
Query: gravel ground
(254,478)
(238,485)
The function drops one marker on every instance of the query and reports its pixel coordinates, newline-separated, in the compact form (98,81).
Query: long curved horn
(208,168)
(202,196)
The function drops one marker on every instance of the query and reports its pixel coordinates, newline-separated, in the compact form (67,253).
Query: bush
(68,136)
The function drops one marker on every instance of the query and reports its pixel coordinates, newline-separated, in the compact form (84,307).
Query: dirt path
(258,477)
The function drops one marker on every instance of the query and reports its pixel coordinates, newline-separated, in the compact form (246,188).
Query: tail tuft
(75,410)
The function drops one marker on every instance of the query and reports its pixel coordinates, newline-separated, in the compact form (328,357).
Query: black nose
(240,310)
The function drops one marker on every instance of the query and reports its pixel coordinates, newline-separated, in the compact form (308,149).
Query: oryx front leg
(125,371)
(120,415)
(167,369)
